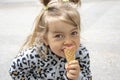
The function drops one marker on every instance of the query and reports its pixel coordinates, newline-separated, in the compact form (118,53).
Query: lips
(68,47)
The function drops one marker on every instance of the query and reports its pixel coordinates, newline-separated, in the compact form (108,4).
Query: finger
(74,66)
(71,76)
(74,69)
(67,66)
(73,62)
(73,72)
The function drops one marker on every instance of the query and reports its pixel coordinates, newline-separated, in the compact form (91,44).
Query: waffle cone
(69,54)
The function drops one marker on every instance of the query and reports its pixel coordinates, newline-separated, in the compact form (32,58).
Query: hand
(73,70)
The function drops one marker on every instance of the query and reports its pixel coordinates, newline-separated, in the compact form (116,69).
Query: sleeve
(22,66)
(84,60)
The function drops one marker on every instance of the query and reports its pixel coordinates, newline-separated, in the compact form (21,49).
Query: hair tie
(46,7)
(65,0)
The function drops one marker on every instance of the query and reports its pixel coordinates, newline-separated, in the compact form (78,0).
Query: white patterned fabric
(30,66)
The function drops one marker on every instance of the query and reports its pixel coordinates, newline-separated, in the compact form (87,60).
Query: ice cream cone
(69,54)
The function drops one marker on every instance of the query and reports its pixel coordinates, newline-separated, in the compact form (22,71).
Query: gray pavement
(100,34)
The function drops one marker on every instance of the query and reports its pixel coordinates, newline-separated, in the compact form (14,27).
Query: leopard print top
(30,66)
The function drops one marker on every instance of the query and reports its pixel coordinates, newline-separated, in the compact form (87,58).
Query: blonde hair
(53,10)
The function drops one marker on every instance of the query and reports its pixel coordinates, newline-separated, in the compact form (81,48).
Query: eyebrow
(56,32)
(75,28)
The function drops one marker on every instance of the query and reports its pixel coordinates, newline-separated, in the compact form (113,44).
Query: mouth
(70,47)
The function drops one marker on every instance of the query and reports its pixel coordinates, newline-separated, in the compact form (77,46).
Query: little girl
(42,56)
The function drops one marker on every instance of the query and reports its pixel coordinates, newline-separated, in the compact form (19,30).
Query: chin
(63,56)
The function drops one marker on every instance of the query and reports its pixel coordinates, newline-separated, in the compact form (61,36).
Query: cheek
(57,49)
(78,43)
(54,47)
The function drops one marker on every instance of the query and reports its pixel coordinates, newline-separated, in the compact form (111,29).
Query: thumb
(66,66)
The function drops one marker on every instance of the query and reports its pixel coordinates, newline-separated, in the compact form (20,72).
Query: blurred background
(100,22)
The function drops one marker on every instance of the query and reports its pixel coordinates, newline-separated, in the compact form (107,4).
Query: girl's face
(62,35)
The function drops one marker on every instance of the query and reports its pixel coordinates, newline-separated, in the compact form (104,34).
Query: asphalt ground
(100,21)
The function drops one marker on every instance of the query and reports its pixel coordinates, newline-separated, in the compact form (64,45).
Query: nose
(68,42)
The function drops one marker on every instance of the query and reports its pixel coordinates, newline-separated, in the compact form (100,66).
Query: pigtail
(32,39)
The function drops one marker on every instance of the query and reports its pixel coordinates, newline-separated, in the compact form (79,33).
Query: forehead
(60,26)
